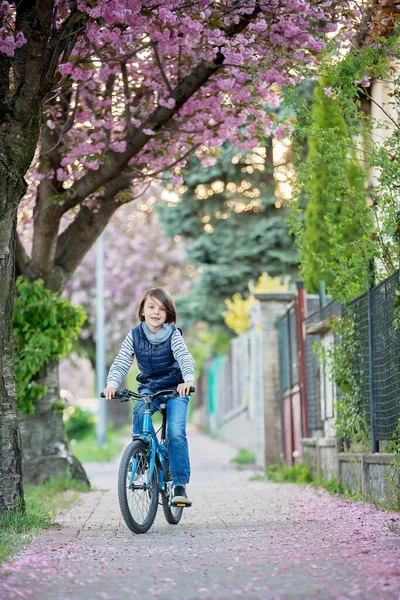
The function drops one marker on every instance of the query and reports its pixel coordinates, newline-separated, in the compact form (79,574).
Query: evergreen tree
(334,191)
(234,226)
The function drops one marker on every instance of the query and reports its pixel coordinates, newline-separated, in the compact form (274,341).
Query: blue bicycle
(144,473)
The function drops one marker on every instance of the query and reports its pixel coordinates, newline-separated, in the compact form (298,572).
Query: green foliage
(78,423)
(299,473)
(394,479)
(339,128)
(236,231)
(395,442)
(341,238)
(44,326)
(86,448)
(396,320)
(331,185)
(339,362)
(244,457)
(333,486)
(282,473)
(43,502)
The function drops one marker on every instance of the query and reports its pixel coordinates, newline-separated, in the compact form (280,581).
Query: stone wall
(369,474)
(320,454)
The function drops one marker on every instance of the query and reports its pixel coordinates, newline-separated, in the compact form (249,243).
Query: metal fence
(378,362)
(320,392)
(377,359)
(386,353)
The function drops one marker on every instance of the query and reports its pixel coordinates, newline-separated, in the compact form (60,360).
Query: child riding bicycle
(163,361)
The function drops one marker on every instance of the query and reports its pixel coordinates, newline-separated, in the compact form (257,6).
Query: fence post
(374,441)
(301,313)
(322,304)
(290,388)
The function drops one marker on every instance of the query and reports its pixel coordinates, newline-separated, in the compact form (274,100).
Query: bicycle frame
(157,448)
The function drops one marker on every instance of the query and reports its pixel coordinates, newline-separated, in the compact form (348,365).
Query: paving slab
(251,539)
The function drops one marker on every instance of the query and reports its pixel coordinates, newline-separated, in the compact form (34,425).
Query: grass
(300,474)
(207,431)
(283,473)
(43,503)
(244,457)
(335,487)
(87,449)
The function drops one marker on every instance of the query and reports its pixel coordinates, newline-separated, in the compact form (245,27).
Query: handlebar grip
(121,395)
(192,390)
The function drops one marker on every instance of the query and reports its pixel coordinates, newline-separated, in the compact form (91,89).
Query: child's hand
(109,392)
(183,388)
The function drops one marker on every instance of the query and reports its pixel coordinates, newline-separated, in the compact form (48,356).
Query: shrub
(244,457)
(78,423)
(44,326)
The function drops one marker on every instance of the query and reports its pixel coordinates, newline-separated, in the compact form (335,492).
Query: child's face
(154,313)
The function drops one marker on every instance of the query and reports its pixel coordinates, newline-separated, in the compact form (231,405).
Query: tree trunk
(45,448)
(11,490)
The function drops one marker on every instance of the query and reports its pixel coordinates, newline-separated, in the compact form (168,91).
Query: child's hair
(163,296)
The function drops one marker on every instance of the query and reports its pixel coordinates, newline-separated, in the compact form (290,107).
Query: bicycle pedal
(181,504)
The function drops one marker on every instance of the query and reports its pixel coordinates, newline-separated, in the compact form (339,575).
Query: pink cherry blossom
(144,85)
(282,131)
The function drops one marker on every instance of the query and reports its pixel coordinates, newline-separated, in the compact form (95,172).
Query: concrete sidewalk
(253,539)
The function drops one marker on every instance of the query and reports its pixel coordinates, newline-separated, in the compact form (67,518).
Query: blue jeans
(176,433)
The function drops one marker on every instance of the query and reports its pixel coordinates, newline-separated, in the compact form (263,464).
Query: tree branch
(78,238)
(127,92)
(62,42)
(118,161)
(48,211)
(162,71)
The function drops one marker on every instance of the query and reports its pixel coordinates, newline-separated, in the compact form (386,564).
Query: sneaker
(179,497)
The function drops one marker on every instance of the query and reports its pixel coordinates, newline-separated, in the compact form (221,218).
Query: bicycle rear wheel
(137,501)
(173,514)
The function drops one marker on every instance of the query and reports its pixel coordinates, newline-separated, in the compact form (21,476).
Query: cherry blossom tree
(113,94)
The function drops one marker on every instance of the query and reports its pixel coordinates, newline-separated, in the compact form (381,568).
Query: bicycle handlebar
(125,395)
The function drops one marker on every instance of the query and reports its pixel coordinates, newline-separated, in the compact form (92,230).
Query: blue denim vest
(158,368)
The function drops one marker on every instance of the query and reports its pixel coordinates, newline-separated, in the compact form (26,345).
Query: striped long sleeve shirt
(125,356)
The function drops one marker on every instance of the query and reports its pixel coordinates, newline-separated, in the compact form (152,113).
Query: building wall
(243,394)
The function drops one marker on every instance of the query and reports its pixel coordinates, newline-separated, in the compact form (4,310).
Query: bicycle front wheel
(138,501)
(173,514)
